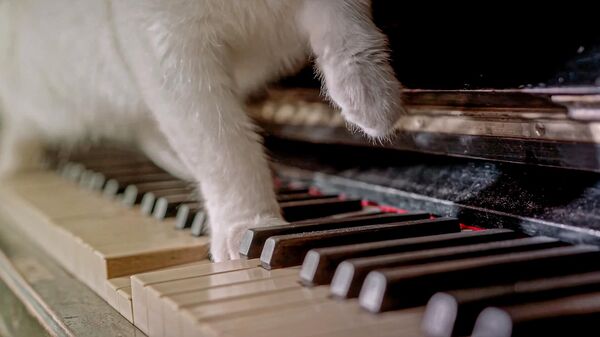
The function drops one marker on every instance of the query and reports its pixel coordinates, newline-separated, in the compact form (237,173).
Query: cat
(171,77)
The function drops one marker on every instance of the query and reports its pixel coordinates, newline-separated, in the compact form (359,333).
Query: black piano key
(90,179)
(144,178)
(85,180)
(109,166)
(147,204)
(93,158)
(186,213)
(292,190)
(116,172)
(122,170)
(97,181)
(111,188)
(576,315)
(350,274)
(133,194)
(396,288)
(453,313)
(85,177)
(253,240)
(100,165)
(111,172)
(122,182)
(63,168)
(200,224)
(366,211)
(309,209)
(168,192)
(304,196)
(289,250)
(150,199)
(320,264)
(166,206)
(73,171)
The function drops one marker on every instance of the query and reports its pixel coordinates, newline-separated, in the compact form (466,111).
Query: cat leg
(187,85)
(20,149)
(154,144)
(353,58)
(219,147)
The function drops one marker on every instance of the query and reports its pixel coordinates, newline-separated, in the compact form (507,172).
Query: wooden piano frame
(557,127)
(44,299)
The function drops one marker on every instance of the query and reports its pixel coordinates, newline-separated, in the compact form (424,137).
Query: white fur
(172,76)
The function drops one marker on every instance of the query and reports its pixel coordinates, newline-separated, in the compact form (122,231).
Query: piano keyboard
(344,267)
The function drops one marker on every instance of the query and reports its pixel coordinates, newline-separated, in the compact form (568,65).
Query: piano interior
(481,217)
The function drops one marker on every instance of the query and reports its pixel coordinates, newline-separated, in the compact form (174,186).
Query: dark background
(491,45)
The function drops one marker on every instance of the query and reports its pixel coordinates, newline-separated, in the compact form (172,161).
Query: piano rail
(545,127)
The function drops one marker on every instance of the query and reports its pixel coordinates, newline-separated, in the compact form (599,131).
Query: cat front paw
(370,99)
(377,124)
(225,240)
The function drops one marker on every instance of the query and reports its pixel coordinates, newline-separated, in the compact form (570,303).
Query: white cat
(171,76)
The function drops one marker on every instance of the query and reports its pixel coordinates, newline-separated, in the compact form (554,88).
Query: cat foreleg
(353,57)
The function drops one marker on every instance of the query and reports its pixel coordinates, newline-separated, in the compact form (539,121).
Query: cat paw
(374,105)
(225,244)
(368,94)
(377,124)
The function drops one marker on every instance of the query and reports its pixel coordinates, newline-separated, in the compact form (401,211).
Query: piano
(481,217)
